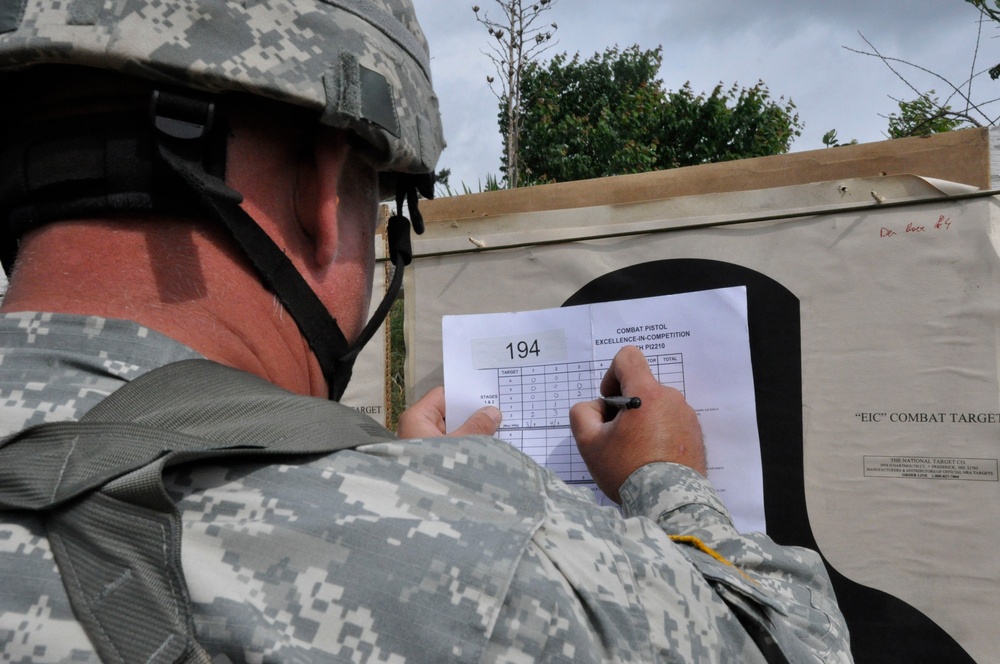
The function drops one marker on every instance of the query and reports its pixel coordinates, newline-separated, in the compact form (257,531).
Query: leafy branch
(926,114)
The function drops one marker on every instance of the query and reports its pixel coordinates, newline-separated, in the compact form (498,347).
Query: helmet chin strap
(182,124)
(400,255)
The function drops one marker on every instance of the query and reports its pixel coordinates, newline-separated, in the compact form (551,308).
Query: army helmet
(362,64)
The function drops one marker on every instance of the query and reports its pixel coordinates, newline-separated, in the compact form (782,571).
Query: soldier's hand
(615,444)
(426,419)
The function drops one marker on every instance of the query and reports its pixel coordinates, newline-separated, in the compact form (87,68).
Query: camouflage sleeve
(783,590)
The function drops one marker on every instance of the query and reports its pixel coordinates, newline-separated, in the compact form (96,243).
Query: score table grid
(535,402)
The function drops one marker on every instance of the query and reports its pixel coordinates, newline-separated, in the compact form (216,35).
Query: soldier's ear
(317,196)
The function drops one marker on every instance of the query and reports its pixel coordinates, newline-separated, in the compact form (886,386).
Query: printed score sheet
(534,365)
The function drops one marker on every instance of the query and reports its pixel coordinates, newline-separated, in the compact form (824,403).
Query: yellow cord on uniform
(691,540)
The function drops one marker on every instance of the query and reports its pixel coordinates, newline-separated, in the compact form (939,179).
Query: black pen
(623,403)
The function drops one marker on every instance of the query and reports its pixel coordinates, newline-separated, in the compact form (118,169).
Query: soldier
(191,180)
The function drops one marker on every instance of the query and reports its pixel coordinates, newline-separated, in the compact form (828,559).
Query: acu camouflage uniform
(412,551)
(398,551)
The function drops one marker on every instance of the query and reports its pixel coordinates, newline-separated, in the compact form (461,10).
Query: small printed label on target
(932,468)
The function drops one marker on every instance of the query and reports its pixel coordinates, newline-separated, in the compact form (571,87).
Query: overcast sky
(795,46)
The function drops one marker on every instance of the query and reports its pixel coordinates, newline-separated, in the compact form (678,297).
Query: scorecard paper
(534,365)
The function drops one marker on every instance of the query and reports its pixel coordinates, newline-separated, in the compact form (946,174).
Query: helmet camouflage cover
(363,65)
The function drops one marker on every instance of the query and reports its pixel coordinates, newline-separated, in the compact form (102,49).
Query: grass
(397,365)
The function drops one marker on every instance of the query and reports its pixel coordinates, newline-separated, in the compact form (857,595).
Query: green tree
(924,116)
(610,115)
(733,123)
(927,115)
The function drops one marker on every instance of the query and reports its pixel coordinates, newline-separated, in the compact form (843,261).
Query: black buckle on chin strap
(400,248)
(181,116)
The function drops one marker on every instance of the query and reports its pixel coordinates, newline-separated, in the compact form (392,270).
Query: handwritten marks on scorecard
(918,228)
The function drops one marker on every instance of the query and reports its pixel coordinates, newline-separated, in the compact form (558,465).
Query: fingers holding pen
(615,442)
(629,374)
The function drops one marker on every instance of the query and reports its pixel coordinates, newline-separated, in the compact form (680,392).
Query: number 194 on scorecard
(521,349)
